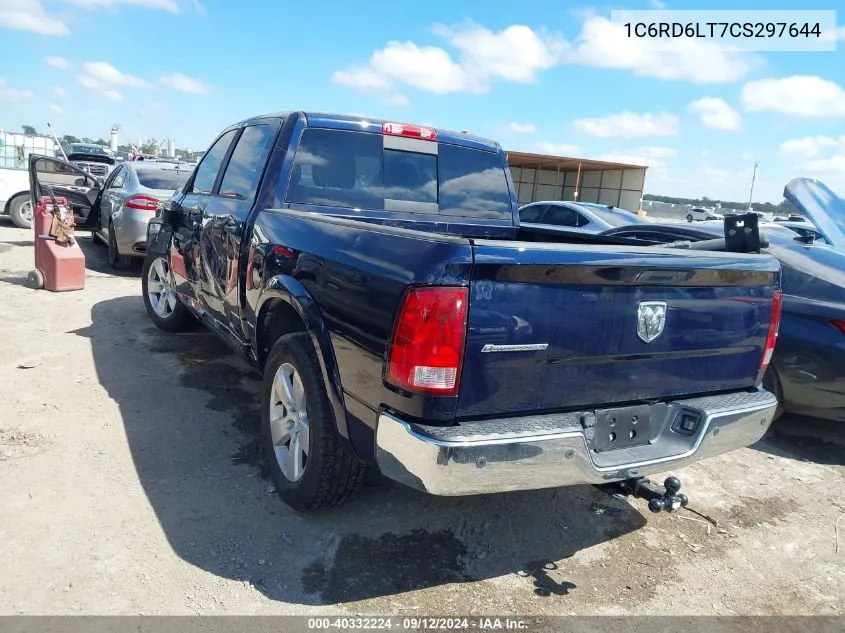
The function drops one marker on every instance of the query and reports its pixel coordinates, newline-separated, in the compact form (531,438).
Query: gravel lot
(131,483)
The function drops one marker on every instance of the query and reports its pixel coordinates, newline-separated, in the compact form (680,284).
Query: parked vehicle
(805,229)
(129,199)
(377,275)
(697,213)
(586,216)
(91,158)
(117,209)
(14,196)
(807,372)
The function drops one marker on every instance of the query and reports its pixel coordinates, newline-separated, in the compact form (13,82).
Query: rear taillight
(839,325)
(143,203)
(427,350)
(774,323)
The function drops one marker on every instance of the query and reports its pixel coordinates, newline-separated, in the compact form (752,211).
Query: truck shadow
(188,406)
(805,439)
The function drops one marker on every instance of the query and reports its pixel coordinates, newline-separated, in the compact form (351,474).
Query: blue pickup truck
(376,274)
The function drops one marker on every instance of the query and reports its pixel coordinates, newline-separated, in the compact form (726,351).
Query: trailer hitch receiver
(665,498)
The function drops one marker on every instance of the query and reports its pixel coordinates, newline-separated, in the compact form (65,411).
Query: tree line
(784,206)
(150,146)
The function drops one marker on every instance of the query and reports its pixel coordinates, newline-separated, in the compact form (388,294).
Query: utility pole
(753,177)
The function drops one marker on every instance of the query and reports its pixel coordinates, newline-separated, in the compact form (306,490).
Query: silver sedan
(130,196)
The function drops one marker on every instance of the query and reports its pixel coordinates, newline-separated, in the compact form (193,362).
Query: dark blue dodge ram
(377,275)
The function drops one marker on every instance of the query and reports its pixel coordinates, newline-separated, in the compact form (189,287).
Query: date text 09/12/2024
(722,30)
(419,623)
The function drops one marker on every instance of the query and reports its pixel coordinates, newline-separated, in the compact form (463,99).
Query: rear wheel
(771,383)
(160,300)
(117,260)
(20,210)
(309,466)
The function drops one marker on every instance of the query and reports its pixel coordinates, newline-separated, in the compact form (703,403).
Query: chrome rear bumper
(556,450)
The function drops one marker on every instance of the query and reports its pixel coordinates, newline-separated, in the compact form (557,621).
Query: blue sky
(537,75)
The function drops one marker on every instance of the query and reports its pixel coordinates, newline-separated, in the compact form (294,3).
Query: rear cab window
(365,170)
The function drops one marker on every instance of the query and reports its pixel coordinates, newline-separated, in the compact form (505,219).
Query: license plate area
(622,428)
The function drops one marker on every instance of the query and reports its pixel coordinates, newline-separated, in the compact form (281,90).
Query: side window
(243,172)
(562,216)
(119,179)
(210,165)
(533,214)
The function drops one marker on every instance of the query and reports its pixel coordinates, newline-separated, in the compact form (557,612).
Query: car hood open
(82,157)
(823,207)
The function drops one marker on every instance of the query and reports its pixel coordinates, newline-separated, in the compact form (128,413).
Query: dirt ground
(130,483)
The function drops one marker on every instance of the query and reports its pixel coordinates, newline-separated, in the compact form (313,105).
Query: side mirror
(80,182)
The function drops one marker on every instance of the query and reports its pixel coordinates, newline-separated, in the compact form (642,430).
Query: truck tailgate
(555,326)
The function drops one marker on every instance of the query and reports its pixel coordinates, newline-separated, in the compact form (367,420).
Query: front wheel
(160,300)
(689,218)
(308,464)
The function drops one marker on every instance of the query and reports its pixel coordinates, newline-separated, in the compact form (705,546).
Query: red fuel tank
(59,262)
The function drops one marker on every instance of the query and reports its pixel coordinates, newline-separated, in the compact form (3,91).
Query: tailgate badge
(651,317)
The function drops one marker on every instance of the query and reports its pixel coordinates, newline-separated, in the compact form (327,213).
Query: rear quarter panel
(355,273)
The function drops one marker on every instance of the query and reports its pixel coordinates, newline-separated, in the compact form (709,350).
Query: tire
(157,287)
(771,383)
(116,260)
(329,475)
(689,218)
(35,279)
(20,210)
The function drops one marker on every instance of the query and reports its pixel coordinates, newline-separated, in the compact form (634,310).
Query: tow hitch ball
(665,498)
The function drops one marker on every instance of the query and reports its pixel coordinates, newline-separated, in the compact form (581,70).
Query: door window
(532,214)
(209,167)
(563,216)
(240,180)
(119,178)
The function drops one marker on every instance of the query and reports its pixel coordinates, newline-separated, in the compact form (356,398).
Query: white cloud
(55,108)
(559,149)
(654,156)
(57,62)
(113,95)
(428,68)
(657,4)
(519,53)
(183,83)
(395,99)
(831,36)
(798,95)
(165,5)
(13,95)
(629,125)
(717,114)
(516,53)
(810,146)
(59,91)
(29,15)
(830,166)
(604,44)
(106,74)
(522,128)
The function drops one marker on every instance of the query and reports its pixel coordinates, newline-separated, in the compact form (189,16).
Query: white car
(14,196)
(698,213)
